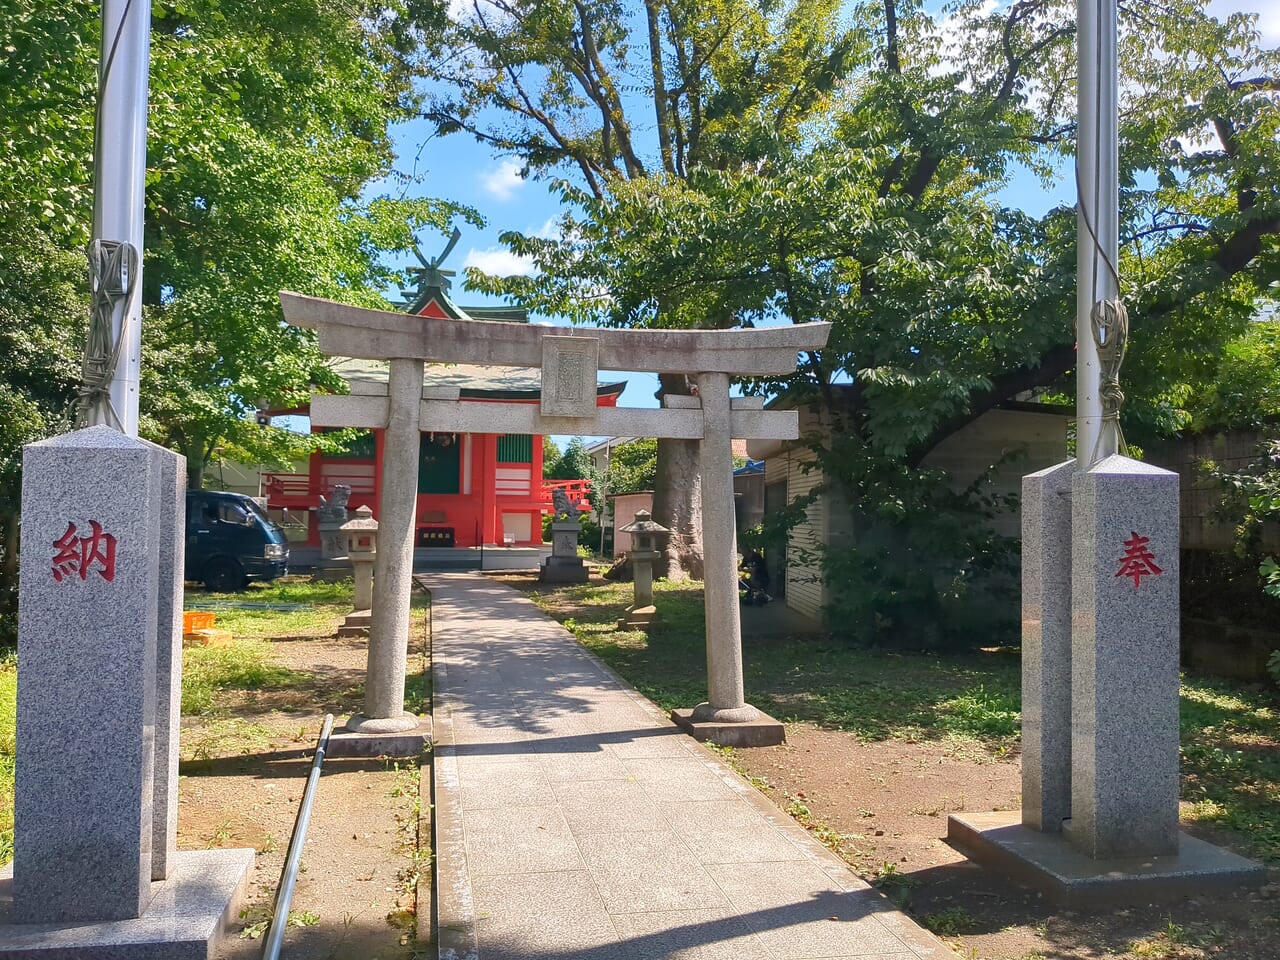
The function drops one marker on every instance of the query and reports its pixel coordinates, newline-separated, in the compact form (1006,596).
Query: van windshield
(256,509)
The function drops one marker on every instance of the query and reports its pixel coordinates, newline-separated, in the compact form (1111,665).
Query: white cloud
(499,262)
(504,181)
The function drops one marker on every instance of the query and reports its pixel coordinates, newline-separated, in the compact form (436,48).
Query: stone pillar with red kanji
(1124,670)
(99,667)
(89,585)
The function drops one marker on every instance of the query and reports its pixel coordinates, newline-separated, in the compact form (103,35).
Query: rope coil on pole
(1110,322)
(113,273)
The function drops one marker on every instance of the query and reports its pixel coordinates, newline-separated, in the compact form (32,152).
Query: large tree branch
(1053,364)
(659,86)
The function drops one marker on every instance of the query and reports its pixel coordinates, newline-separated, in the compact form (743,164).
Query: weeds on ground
(409,842)
(950,922)
(257,919)
(243,665)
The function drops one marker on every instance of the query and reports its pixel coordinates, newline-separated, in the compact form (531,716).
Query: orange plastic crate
(196,620)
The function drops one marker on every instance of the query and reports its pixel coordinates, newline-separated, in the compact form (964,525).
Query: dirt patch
(241,782)
(883,806)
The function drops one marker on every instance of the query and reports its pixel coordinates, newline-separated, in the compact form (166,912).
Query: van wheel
(223,576)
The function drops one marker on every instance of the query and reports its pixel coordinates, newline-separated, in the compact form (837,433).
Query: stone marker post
(89,583)
(1046,647)
(330,516)
(172,508)
(393,569)
(1124,682)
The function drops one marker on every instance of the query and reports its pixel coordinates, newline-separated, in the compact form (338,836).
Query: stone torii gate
(570,359)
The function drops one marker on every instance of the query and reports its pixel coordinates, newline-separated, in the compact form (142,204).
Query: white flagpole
(120,160)
(1098,210)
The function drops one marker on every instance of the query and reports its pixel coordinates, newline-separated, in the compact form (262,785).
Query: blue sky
(459,169)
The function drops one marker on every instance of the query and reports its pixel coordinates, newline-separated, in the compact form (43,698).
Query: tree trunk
(677,499)
(195,453)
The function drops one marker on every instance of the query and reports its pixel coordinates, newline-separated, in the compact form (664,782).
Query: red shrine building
(474,489)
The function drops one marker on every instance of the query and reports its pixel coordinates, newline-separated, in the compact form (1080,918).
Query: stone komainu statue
(334,507)
(563,507)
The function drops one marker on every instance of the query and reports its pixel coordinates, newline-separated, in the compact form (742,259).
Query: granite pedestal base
(189,916)
(763,731)
(1048,863)
(370,741)
(637,618)
(356,624)
(563,570)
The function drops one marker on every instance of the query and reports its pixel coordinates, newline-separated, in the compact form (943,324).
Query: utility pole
(1098,205)
(109,394)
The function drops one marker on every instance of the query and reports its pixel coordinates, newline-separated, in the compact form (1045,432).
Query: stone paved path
(574,821)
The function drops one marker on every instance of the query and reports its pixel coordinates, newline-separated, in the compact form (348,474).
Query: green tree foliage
(550,455)
(1244,393)
(42,318)
(610,93)
(633,466)
(861,192)
(574,463)
(267,123)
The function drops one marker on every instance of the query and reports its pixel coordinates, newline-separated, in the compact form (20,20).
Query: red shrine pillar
(490,515)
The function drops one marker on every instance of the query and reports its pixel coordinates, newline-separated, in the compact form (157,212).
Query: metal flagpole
(1098,205)
(109,394)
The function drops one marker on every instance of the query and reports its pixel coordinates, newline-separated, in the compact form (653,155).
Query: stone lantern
(360,537)
(645,534)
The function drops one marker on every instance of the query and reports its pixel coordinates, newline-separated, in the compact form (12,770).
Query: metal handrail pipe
(289,875)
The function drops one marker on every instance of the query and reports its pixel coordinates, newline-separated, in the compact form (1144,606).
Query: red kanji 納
(1138,561)
(79,555)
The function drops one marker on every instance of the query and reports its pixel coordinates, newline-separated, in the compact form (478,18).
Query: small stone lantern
(360,536)
(644,550)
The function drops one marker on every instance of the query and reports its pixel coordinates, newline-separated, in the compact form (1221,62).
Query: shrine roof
(476,382)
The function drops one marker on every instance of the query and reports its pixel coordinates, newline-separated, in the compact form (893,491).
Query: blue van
(231,540)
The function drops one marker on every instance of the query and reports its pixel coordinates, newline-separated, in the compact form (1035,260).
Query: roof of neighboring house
(474,381)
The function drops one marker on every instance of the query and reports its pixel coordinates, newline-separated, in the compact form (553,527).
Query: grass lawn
(1230,735)
(253,618)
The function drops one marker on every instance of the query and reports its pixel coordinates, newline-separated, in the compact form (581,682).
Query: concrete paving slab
(498,784)
(692,935)
(608,806)
(619,838)
(644,872)
(518,840)
(541,915)
(579,767)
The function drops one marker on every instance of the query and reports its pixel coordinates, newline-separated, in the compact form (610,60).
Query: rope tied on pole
(1110,322)
(113,273)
